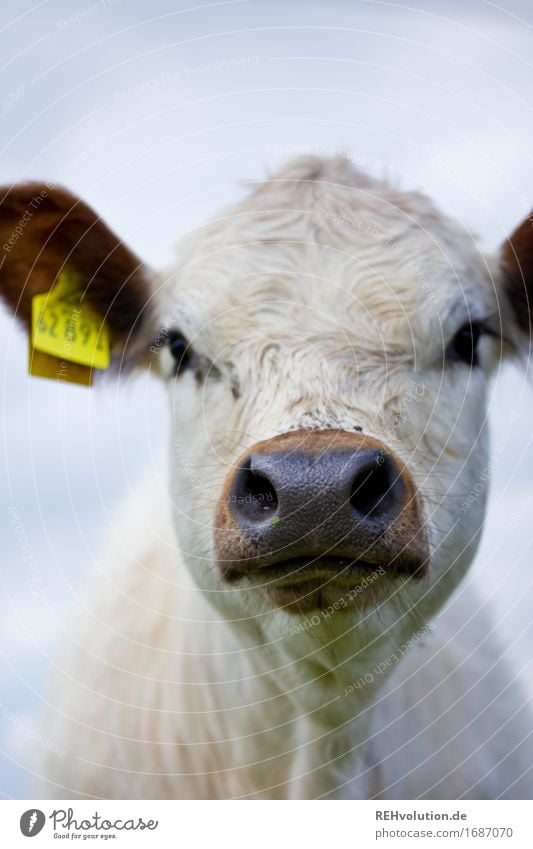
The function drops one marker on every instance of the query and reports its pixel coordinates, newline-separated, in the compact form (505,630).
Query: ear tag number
(65,332)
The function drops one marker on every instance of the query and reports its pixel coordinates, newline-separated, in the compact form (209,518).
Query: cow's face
(327,345)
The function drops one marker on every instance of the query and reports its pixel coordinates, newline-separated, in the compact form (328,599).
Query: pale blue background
(373,77)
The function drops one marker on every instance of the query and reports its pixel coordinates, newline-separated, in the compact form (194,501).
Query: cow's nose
(325,500)
(338,487)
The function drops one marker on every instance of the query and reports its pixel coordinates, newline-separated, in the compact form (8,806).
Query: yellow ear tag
(68,338)
(43,365)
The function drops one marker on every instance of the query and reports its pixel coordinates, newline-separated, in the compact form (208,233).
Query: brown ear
(44,229)
(517,266)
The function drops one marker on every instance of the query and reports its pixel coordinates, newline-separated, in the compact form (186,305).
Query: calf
(327,344)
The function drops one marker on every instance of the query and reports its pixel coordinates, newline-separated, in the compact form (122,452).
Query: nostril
(377,489)
(261,492)
(253,495)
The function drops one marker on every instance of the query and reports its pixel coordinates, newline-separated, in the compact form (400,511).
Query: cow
(291,619)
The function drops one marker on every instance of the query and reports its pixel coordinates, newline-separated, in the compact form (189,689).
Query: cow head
(327,345)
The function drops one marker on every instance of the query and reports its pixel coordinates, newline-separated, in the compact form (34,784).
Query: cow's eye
(180,350)
(463,347)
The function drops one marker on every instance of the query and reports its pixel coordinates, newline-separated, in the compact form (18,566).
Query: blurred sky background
(154,112)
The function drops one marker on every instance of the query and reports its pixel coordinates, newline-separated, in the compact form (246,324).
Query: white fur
(325,299)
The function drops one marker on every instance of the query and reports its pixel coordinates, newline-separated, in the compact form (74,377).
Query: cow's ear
(517,267)
(45,230)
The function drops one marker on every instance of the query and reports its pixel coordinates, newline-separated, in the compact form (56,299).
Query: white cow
(327,345)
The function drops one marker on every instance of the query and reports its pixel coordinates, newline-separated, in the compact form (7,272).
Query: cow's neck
(298,707)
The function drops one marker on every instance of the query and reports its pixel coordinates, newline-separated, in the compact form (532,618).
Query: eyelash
(181,351)
(463,346)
